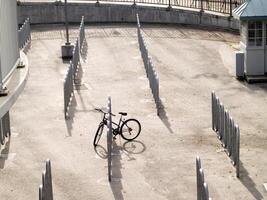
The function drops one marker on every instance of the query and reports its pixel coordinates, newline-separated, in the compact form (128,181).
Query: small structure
(251,62)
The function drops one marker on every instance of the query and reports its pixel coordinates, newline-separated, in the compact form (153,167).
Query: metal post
(66,22)
(169,7)
(231,12)
(201,6)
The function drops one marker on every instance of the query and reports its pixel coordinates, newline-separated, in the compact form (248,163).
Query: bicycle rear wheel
(98,134)
(130,129)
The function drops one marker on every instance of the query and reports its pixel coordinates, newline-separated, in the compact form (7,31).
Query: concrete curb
(15,85)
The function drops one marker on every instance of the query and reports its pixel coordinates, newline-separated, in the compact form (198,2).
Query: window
(255,33)
(266,33)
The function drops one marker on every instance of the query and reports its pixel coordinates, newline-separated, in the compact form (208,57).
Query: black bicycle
(128,129)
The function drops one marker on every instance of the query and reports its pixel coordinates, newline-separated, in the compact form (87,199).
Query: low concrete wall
(44,13)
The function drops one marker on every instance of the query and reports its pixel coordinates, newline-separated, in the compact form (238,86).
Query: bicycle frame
(115,130)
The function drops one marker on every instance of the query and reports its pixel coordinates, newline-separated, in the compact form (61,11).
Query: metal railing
(5,131)
(227,131)
(24,34)
(221,6)
(68,89)
(150,69)
(46,189)
(109,138)
(202,186)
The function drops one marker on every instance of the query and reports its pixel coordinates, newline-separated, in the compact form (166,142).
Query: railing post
(201,6)
(169,6)
(66,21)
(231,7)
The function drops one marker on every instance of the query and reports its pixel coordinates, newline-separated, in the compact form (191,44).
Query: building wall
(9,52)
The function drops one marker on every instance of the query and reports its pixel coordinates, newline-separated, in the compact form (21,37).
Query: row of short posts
(71,75)
(46,188)
(149,66)
(5,131)
(81,34)
(227,131)
(24,34)
(68,89)
(202,186)
(109,138)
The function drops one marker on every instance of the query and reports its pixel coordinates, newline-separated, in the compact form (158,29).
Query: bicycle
(128,129)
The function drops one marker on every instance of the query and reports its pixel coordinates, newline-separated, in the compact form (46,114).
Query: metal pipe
(66,22)
(231,7)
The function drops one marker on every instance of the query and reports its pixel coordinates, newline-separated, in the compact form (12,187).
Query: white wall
(9,52)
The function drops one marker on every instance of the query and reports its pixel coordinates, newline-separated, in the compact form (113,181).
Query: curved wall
(9,51)
(45,13)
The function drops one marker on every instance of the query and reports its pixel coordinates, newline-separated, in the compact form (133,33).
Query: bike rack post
(227,131)
(202,186)
(109,139)
(46,189)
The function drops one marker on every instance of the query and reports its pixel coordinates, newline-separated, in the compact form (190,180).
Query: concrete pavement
(161,163)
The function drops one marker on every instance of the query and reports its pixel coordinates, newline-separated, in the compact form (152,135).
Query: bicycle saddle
(123,113)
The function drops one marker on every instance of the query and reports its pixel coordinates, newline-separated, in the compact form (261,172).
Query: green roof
(251,10)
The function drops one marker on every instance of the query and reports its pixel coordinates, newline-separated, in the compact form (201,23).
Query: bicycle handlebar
(100,110)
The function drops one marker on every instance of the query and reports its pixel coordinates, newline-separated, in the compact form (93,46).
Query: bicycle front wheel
(130,129)
(98,134)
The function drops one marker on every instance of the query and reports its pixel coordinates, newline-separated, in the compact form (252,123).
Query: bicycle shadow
(101,151)
(127,148)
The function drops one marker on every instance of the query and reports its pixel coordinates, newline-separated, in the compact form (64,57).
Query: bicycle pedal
(114,138)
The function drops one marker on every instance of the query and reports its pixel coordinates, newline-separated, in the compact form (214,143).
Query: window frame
(255,34)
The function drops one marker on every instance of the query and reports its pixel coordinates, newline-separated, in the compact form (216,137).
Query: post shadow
(163,116)
(4,153)
(247,181)
(115,183)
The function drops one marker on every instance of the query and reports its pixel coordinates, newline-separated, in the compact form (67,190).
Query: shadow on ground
(247,181)
(4,153)
(116,184)
(163,116)
(128,148)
